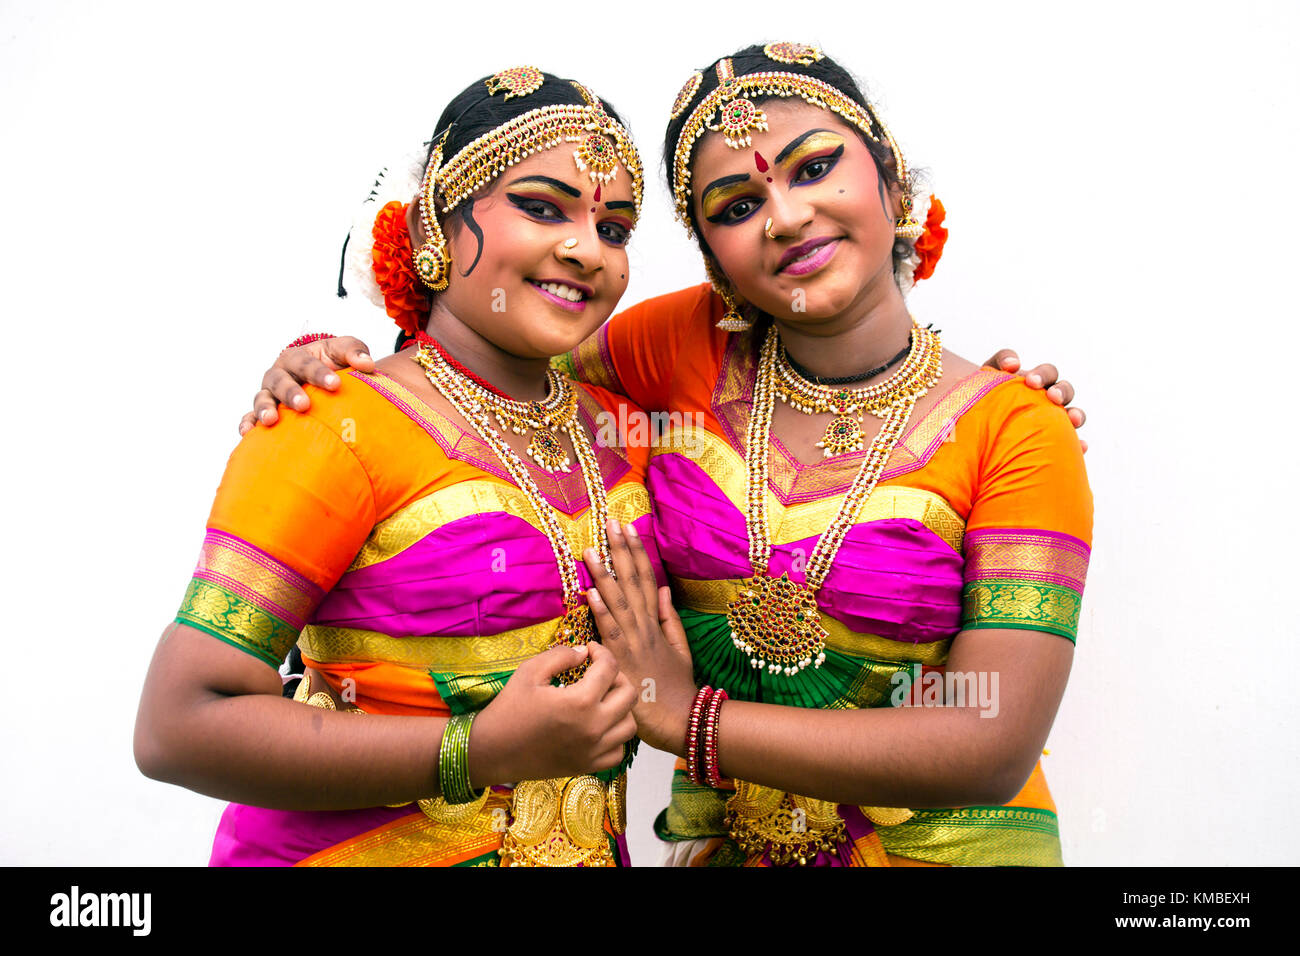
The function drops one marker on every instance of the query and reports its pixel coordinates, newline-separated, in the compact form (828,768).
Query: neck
(862,337)
(520,378)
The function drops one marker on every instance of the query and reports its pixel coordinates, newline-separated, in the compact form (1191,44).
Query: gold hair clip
(516,81)
(802,54)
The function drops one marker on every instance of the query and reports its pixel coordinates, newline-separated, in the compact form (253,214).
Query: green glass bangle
(453,761)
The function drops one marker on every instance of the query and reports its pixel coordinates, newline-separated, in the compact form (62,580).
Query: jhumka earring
(732,320)
(433,260)
(906,227)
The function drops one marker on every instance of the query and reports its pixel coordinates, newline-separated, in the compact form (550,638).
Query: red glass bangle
(308,339)
(710,771)
(693,734)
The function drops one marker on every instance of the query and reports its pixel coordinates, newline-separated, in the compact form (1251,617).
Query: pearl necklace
(577,626)
(774,621)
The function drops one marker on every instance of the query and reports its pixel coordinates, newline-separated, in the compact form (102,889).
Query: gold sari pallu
(792,829)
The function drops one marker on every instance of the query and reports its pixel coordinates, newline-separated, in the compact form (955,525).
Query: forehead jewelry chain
(774,621)
(577,626)
(919,371)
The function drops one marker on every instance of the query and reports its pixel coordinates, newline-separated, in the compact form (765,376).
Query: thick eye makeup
(538,208)
(617,231)
(811,157)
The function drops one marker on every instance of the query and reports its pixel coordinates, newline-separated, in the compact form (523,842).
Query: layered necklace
(559,413)
(774,621)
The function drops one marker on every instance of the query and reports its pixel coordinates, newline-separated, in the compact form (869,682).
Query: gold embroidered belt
(559,822)
(792,828)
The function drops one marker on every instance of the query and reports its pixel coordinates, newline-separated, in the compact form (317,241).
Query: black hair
(752,59)
(474,111)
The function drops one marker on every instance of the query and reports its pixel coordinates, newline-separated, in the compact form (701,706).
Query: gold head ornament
(603,145)
(729,109)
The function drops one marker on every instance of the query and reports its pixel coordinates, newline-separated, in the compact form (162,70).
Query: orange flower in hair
(394,265)
(929,245)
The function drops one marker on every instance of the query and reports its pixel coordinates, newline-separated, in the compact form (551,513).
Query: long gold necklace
(774,621)
(577,626)
(848,405)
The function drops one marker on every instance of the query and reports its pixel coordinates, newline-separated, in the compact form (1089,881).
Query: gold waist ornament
(793,829)
(558,822)
(561,822)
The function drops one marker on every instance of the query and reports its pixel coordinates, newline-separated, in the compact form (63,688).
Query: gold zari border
(460,655)
(395,534)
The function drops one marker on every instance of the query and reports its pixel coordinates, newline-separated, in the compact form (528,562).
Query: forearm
(272,752)
(212,719)
(911,757)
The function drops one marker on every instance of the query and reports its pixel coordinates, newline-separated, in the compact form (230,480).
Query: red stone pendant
(776,624)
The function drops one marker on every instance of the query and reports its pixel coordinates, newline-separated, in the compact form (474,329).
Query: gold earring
(433,260)
(732,319)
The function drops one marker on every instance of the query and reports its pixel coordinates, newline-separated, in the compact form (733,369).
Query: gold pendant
(775,622)
(577,627)
(547,450)
(843,435)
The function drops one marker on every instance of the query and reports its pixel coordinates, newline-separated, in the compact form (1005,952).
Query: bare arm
(212,719)
(911,756)
(904,757)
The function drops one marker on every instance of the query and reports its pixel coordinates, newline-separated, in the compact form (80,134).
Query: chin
(548,339)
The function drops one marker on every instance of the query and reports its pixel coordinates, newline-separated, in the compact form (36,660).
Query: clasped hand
(641,629)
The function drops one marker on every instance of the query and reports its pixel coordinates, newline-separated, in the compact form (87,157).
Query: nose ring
(570,243)
(767,229)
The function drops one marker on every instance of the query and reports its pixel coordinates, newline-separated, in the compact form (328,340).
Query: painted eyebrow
(620,204)
(723,181)
(547,180)
(794,143)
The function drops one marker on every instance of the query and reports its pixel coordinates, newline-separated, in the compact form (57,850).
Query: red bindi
(597,196)
(760,162)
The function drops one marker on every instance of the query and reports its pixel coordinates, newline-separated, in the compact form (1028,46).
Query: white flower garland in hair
(396,182)
(905,267)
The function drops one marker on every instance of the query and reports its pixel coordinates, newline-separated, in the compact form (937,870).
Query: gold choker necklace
(544,418)
(919,370)
(774,621)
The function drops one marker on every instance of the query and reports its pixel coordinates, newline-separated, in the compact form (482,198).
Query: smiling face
(551,264)
(831,214)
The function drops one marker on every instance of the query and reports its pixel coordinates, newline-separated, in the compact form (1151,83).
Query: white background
(1122,194)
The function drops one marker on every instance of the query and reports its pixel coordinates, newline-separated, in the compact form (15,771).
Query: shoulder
(617,422)
(686,311)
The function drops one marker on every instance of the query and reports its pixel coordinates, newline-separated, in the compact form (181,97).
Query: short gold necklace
(544,418)
(844,433)
(577,625)
(774,621)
